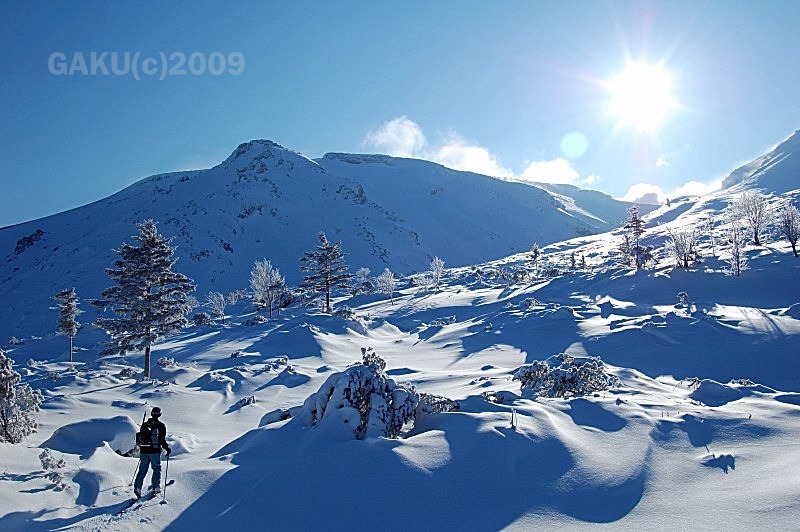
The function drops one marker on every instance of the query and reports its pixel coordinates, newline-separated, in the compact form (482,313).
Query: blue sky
(491,86)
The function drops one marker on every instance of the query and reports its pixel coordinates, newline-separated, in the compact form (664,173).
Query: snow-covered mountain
(777,171)
(266,201)
(697,428)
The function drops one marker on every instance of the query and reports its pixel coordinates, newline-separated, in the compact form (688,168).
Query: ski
(134,503)
(127,506)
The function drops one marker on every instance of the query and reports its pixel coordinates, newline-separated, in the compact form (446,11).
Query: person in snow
(151,438)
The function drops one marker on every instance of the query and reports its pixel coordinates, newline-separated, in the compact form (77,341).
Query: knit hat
(155,412)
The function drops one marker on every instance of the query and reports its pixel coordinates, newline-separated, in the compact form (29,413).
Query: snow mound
(84,437)
(793,311)
(713,393)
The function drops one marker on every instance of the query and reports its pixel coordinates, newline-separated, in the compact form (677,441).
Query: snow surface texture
(701,431)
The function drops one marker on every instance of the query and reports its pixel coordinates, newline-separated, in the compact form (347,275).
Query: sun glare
(640,96)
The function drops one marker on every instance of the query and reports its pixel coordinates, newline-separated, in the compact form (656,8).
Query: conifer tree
(635,226)
(535,255)
(68,324)
(17,403)
(150,299)
(326,268)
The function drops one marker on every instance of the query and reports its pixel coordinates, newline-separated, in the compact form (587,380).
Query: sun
(641,96)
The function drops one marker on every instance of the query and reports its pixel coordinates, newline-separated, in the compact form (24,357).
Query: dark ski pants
(146,461)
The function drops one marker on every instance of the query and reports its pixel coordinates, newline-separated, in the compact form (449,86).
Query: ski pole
(135,470)
(166,476)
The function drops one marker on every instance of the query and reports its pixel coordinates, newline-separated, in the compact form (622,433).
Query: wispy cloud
(696,188)
(649,193)
(402,137)
(458,154)
(645,193)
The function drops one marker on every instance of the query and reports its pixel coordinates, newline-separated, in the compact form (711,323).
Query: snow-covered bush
(13,340)
(249,400)
(165,362)
(449,320)
(258,319)
(362,283)
(435,404)
(278,363)
(564,376)
(17,404)
(364,399)
(530,302)
(127,373)
(202,318)
(53,467)
(235,296)
(521,276)
(345,312)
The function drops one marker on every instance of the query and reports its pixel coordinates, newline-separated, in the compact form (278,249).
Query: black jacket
(158,431)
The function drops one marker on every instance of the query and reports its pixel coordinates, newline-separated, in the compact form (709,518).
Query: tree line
(149,301)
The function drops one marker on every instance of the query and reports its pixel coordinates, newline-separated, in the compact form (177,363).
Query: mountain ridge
(268,201)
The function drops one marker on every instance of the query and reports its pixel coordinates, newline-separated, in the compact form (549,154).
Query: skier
(152,438)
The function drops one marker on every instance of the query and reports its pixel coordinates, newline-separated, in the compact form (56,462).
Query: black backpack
(148,435)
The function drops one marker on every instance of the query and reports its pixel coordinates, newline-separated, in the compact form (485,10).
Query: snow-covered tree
(573,261)
(327,269)
(53,466)
(362,283)
(752,206)
(789,225)
(635,229)
(234,296)
(150,299)
(437,268)
(217,303)
(17,404)
(534,256)
(737,259)
(386,283)
(624,255)
(362,401)
(682,245)
(68,312)
(268,285)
